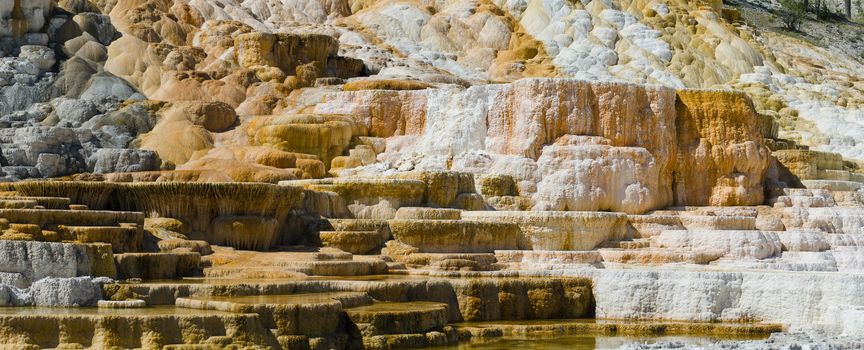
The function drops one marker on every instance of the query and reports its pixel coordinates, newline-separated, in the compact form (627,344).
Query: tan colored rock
(131,328)
(497,185)
(655,256)
(558,230)
(212,116)
(510,203)
(560,139)
(194,204)
(486,299)
(238,171)
(368,198)
(177,245)
(176,141)
(809,165)
(398,318)
(421,213)
(50,217)
(320,135)
(452,236)
(245,232)
(201,175)
(723,222)
(721,156)
(307,314)
(285,51)
(156,266)
(122,239)
(356,225)
(229,263)
(354,242)
(394,84)
(168,224)
(646,226)
(442,187)
(198,86)
(384,113)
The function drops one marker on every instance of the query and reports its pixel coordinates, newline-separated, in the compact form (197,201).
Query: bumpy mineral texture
(391,174)
(721,156)
(575,145)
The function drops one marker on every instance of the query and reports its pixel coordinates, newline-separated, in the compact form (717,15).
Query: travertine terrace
(392,174)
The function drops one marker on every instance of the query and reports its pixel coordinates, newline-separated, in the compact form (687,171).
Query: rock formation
(389,174)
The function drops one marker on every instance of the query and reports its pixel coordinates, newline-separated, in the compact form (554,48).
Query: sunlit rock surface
(393,174)
(574,145)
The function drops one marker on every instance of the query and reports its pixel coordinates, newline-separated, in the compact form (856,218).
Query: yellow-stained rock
(354,242)
(451,236)
(284,50)
(394,84)
(558,230)
(809,165)
(324,136)
(156,266)
(245,232)
(721,157)
(122,239)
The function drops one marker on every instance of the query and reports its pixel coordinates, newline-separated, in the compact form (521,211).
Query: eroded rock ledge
(570,144)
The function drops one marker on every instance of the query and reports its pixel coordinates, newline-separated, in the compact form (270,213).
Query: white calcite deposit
(655,148)
(802,299)
(33,261)
(568,144)
(52,274)
(739,244)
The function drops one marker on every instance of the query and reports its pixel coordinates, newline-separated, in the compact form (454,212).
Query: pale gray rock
(47,274)
(34,260)
(41,56)
(54,291)
(22,84)
(107,88)
(73,45)
(62,28)
(93,51)
(112,160)
(56,114)
(39,39)
(6,8)
(13,173)
(97,25)
(34,114)
(36,140)
(71,113)
(117,129)
(50,165)
(34,12)
(13,279)
(6,295)
(777,341)
(113,136)
(76,291)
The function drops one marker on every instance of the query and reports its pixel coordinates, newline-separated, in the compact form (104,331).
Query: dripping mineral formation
(392,174)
